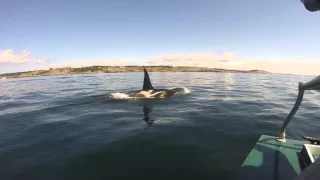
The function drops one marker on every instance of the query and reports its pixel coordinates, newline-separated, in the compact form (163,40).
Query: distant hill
(117,69)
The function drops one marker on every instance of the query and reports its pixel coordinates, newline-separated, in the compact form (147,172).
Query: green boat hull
(272,160)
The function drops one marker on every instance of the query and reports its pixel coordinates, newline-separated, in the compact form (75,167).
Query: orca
(148,91)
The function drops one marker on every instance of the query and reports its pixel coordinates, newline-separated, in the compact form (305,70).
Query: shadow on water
(133,158)
(147,109)
(146,155)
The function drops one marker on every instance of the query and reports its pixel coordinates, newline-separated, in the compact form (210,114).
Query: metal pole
(282,137)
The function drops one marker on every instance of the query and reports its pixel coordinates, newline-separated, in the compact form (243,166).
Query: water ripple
(57,129)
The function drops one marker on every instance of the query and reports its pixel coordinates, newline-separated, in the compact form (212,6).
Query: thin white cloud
(230,61)
(77,64)
(8,56)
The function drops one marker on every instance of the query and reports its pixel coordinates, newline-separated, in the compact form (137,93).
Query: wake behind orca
(149,92)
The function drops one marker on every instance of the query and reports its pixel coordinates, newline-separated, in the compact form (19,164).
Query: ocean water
(78,127)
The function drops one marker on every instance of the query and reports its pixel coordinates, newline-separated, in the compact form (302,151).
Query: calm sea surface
(70,127)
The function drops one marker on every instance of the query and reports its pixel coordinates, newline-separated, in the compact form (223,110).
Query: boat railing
(314,84)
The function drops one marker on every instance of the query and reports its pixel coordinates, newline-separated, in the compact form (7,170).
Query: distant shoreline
(120,69)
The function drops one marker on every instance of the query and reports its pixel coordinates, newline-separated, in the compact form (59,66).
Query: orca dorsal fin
(146,81)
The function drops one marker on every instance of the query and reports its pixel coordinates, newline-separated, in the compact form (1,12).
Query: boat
(278,158)
(3,78)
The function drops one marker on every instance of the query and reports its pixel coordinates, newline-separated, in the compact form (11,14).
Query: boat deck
(272,160)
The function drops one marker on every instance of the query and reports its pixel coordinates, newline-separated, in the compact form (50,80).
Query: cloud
(77,64)
(201,60)
(9,57)
(302,67)
(229,60)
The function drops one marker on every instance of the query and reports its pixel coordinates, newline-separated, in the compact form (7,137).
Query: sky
(277,36)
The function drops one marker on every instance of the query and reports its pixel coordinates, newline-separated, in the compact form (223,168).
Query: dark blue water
(69,127)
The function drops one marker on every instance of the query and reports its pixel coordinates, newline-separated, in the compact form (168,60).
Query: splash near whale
(149,92)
